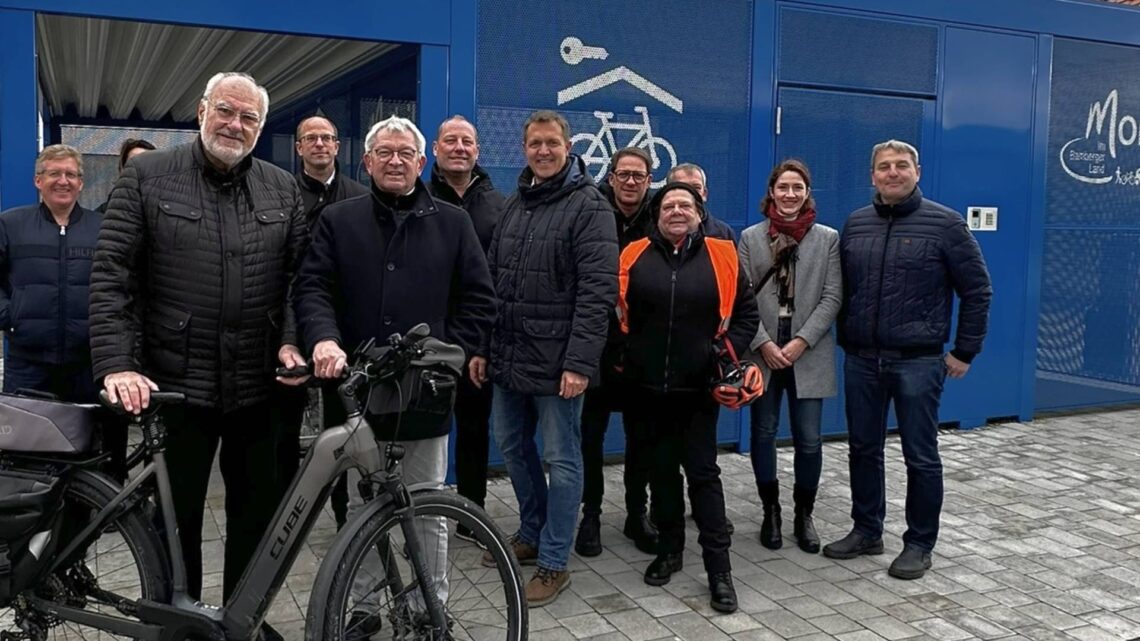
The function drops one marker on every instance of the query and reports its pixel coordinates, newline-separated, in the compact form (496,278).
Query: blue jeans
(915,385)
(806,415)
(547,515)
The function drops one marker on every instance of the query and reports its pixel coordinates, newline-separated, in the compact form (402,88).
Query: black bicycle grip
(294,372)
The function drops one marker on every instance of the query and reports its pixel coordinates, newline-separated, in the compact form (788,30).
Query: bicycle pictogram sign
(601,146)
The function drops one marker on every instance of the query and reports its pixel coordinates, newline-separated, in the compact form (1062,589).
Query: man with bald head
(190,293)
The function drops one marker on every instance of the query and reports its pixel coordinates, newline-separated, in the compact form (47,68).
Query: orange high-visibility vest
(726,267)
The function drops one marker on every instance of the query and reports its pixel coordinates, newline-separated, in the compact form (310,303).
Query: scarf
(785,236)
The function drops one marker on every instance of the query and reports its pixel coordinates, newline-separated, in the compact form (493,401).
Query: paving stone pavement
(1040,539)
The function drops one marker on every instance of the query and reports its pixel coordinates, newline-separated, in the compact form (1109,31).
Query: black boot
(770,536)
(804,527)
(639,528)
(722,594)
(589,542)
(662,568)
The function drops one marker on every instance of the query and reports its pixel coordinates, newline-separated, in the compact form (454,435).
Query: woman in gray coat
(798,261)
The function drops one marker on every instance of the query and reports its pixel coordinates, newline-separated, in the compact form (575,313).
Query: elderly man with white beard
(190,293)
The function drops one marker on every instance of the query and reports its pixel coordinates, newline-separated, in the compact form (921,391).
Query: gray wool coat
(819,293)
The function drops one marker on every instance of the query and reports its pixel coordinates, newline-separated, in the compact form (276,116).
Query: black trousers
(251,467)
(678,430)
(599,404)
(288,410)
(472,440)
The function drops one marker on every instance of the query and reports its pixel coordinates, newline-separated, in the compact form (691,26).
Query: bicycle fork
(417,556)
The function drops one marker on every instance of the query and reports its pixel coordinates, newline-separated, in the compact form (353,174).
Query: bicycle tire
(88,492)
(332,590)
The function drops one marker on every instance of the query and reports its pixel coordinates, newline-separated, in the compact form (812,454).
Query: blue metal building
(1024,113)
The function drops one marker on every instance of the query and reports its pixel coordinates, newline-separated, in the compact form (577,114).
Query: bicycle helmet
(739,386)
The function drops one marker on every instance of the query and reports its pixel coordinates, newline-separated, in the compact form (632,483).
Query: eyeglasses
(636,176)
(228,113)
(384,154)
(687,208)
(56,174)
(311,139)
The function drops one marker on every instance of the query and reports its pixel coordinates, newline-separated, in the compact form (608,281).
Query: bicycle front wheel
(374,593)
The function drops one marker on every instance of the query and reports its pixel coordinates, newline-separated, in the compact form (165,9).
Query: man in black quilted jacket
(189,293)
(553,261)
(904,258)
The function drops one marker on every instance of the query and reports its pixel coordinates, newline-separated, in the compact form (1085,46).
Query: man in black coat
(627,190)
(554,265)
(189,292)
(904,258)
(458,179)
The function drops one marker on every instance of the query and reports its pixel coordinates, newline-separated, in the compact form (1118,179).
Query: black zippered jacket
(45,272)
(190,280)
(902,265)
(554,265)
(673,307)
(316,195)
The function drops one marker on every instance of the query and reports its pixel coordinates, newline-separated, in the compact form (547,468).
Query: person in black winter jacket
(675,287)
(627,190)
(384,263)
(45,270)
(189,291)
(904,258)
(457,178)
(554,264)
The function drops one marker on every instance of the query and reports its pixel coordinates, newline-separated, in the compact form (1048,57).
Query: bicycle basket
(38,425)
(29,507)
(421,399)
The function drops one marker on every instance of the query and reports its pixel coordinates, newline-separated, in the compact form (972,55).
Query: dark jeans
(596,410)
(806,415)
(288,410)
(472,440)
(915,386)
(71,382)
(678,430)
(251,467)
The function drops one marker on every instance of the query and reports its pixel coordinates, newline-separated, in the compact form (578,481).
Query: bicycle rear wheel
(373,594)
(125,563)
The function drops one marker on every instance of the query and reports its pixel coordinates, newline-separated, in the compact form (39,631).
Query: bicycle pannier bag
(38,425)
(425,394)
(29,508)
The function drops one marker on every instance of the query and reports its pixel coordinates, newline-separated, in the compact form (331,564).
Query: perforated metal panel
(848,51)
(100,149)
(1089,324)
(833,132)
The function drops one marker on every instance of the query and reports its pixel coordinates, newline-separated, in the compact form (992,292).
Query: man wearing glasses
(45,265)
(627,191)
(386,263)
(322,184)
(189,293)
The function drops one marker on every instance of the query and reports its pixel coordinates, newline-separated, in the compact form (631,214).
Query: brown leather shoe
(545,586)
(526,553)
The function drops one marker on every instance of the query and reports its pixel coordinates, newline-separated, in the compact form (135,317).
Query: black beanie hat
(655,203)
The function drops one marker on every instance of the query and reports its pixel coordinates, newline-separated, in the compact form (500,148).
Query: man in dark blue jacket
(904,258)
(45,271)
(554,264)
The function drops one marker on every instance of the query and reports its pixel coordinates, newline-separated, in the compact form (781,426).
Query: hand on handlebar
(131,389)
(291,358)
(328,359)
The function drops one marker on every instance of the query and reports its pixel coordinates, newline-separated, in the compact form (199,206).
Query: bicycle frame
(335,451)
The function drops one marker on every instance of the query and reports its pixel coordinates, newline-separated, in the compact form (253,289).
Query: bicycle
(601,146)
(114,576)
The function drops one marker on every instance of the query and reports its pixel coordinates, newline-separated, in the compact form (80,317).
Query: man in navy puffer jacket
(904,258)
(45,270)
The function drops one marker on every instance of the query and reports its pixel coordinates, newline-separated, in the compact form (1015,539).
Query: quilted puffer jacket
(554,264)
(191,273)
(902,265)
